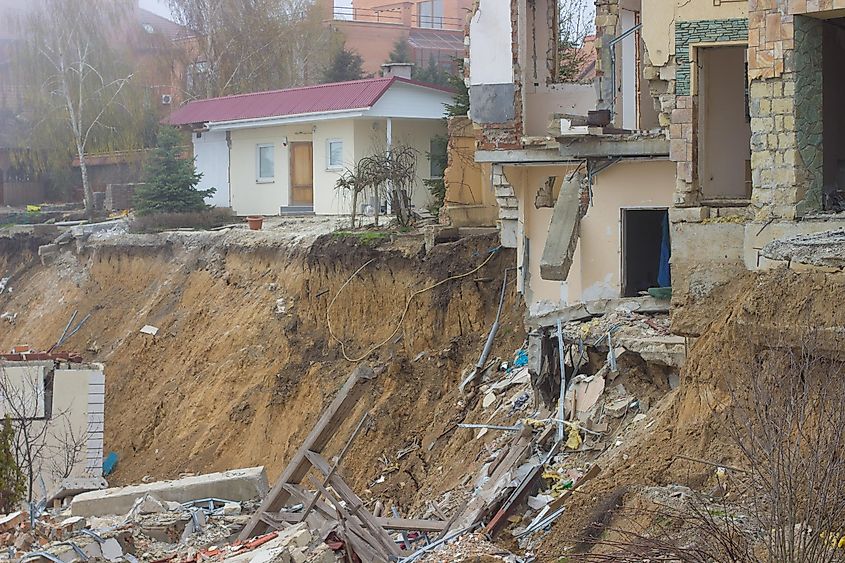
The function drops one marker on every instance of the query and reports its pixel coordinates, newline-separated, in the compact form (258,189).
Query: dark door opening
(645,250)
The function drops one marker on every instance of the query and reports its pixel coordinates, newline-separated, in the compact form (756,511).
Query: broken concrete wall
(470,199)
(595,272)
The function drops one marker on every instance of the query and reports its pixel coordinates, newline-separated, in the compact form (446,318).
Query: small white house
(279,152)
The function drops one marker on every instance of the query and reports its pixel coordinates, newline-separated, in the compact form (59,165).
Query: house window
(430,14)
(437,148)
(266,164)
(334,154)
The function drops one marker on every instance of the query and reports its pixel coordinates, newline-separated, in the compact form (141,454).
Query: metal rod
(612,45)
(560,410)
(491,427)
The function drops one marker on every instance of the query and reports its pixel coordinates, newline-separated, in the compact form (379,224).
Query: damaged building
(581,171)
(709,130)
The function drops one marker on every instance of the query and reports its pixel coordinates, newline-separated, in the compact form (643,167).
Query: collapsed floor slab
(236,485)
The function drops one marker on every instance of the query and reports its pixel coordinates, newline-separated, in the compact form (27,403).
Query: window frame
(259,179)
(329,165)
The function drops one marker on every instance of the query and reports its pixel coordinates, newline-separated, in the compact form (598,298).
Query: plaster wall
(659,17)
(596,267)
(490,43)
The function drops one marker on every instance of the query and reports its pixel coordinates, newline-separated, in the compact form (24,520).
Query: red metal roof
(339,96)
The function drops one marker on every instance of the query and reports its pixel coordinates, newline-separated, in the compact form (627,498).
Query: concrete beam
(611,146)
(582,311)
(236,485)
(563,231)
(524,156)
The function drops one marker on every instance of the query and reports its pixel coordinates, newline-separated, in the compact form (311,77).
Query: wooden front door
(301,174)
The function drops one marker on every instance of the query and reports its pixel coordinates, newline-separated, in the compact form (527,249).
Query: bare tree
(575,22)
(354,183)
(254,46)
(76,77)
(391,175)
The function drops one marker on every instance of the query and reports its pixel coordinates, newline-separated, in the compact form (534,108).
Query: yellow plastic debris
(573,442)
(33,208)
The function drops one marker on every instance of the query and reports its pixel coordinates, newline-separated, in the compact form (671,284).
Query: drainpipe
(612,47)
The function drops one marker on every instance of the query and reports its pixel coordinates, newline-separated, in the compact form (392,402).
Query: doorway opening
(646,250)
(724,131)
(833,115)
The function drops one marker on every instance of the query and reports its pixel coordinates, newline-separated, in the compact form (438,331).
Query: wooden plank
(353,501)
(369,537)
(310,504)
(527,484)
(480,505)
(316,441)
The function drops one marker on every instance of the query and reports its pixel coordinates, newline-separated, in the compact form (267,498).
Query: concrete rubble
(237,485)
(615,365)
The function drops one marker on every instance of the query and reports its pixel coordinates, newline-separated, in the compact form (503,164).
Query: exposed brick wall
(505,136)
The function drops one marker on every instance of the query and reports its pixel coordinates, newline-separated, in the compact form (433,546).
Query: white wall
(361,137)
(409,101)
(490,43)
(77,417)
(211,152)
(327,200)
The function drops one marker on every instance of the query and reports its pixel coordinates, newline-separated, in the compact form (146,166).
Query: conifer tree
(172,180)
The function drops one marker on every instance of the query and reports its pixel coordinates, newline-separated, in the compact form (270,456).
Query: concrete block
(563,232)
(688,214)
(235,485)
(508,233)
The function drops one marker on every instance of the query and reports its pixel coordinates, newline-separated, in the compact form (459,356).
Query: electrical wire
(410,299)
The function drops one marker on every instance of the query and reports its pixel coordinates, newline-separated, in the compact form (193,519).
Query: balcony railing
(397,16)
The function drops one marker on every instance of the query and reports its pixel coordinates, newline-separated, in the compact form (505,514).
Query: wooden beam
(331,419)
(354,523)
(354,502)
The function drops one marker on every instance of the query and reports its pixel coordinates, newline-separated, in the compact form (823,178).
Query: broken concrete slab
(665,350)
(563,231)
(821,250)
(75,485)
(236,485)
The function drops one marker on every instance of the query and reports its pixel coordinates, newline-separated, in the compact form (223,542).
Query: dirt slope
(243,364)
(767,309)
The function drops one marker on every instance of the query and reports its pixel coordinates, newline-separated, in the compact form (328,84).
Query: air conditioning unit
(166,99)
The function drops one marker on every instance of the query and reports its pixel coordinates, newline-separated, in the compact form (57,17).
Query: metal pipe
(488,345)
(612,46)
(560,411)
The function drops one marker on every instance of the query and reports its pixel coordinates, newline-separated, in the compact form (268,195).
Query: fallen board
(331,419)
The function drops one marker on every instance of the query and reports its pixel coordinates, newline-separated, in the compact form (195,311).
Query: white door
(212,160)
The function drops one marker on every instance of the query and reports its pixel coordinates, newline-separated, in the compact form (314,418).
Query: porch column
(389,147)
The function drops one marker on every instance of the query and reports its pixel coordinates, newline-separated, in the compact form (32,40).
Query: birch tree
(78,78)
